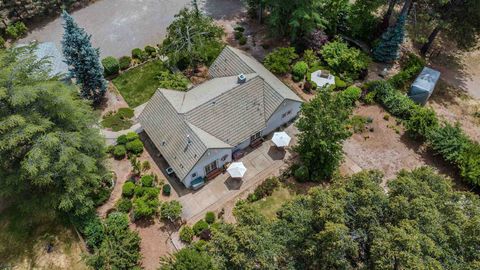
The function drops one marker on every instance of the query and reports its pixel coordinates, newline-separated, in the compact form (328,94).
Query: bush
(369,98)
(186,234)
(350,95)
(175,81)
(94,233)
(144,207)
(200,226)
(2,43)
(119,152)
(147,181)
(135,147)
(111,66)
(237,35)
(242,41)
(210,217)
(139,191)
(132,136)
(396,103)
(265,189)
(469,163)
(171,210)
(411,67)
(124,205)
(128,189)
(449,141)
(301,173)
(151,51)
(358,123)
(280,59)
(16,30)
(339,83)
(345,61)
(122,139)
(239,28)
(166,189)
(421,121)
(124,62)
(138,54)
(299,70)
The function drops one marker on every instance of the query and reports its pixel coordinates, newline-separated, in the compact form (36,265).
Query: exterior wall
(276,120)
(199,169)
(242,145)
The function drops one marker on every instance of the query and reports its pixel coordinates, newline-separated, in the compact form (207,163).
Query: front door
(211,167)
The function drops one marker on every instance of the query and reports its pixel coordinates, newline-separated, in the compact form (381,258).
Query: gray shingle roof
(220,113)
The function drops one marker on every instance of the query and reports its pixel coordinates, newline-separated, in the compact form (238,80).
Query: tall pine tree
(387,49)
(83,60)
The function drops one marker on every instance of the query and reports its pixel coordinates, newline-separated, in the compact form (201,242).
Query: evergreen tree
(387,49)
(83,60)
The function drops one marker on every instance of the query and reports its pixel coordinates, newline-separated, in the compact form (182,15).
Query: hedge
(111,66)
(444,139)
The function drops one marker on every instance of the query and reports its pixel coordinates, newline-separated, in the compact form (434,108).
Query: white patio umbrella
(281,139)
(236,169)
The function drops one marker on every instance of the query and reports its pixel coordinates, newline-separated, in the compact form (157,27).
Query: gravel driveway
(117,26)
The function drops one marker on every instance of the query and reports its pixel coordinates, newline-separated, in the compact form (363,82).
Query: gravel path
(117,26)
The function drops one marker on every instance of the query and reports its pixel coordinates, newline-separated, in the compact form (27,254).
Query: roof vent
(189,141)
(242,78)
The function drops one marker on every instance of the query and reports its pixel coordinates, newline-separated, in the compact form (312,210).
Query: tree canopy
(192,39)
(51,156)
(421,223)
(83,60)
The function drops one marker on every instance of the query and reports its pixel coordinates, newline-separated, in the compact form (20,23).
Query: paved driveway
(261,163)
(117,26)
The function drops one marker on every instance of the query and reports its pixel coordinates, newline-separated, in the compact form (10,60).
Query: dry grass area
(385,146)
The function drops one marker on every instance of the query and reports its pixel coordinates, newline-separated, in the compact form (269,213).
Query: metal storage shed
(422,87)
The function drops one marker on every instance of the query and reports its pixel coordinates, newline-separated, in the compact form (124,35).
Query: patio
(261,162)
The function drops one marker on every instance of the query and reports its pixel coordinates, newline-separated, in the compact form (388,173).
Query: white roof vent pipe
(242,78)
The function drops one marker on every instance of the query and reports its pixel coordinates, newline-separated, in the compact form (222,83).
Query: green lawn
(138,85)
(271,204)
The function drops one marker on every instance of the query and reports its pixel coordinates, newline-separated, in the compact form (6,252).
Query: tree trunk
(406,8)
(386,18)
(431,38)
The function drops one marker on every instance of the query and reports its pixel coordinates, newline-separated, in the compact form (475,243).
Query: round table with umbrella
(281,139)
(237,170)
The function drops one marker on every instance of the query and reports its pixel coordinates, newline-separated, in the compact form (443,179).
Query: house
(198,131)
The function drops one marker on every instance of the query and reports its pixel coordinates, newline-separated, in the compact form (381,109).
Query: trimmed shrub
(124,62)
(350,95)
(186,234)
(119,152)
(166,189)
(200,226)
(122,139)
(138,54)
(421,121)
(242,41)
(135,146)
(124,205)
(128,189)
(147,181)
(151,51)
(280,59)
(111,66)
(110,149)
(131,136)
(299,70)
(339,83)
(210,217)
(139,191)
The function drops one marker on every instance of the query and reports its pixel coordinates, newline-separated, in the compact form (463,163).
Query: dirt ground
(387,147)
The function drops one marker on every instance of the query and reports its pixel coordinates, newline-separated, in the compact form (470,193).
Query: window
(256,136)
(194,175)
(211,167)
